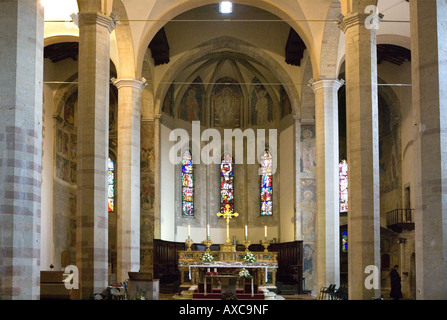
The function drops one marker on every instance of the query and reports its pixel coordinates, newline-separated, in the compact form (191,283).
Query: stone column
(328,214)
(21,69)
(128,176)
(363,154)
(429,76)
(93,145)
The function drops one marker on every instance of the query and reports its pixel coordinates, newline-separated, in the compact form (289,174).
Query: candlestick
(189,243)
(189,231)
(246,232)
(265,232)
(265,244)
(208,231)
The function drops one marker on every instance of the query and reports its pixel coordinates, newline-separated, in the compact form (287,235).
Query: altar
(193,270)
(194,266)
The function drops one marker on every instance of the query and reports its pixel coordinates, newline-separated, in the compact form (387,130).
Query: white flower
(244,274)
(207,257)
(249,257)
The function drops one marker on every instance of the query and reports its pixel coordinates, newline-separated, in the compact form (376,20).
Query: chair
(326,291)
(340,294)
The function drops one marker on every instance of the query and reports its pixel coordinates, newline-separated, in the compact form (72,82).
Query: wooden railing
(400,219)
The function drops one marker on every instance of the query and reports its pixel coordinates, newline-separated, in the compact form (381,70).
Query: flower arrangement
(207,257)
(244,274)
(249,257)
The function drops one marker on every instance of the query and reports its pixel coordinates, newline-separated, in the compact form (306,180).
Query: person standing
(396,287)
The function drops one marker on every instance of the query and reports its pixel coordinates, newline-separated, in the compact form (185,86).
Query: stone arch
(59,39)
(157,22)
(126,56)
(329,64)
(234,45)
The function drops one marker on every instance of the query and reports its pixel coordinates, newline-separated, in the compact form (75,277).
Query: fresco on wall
(308,203)
(286,105)
(389,151)
(309,208)
(147,194)
(261,104)
(65,156)
(168,102)
(70,109)
(190,108)
(310,266)
(308,159)
(147,158)
(226,102)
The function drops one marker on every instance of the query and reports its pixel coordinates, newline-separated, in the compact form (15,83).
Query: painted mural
(168,102)
(66,142)
(226,102)
(147,195)
(191,105)
(286,105)
(389,151)
(261,104)
(308,203)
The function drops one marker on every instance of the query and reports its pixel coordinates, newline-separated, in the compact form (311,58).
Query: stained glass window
(343,174)
(344,242)
(187,184)
(266,184)
(226,183)
(111,185)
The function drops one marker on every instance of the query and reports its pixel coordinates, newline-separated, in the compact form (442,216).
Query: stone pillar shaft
(93,145)
(21,69)
(363,154)
(128,178)
(328,216)
(429,76)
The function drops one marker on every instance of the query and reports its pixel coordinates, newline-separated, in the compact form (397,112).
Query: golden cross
(227,214)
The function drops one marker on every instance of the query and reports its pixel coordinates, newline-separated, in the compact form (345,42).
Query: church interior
(333,172)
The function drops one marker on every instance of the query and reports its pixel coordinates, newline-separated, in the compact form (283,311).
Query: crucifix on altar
(228,215)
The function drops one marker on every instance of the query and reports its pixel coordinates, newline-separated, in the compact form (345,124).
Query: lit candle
(246,232)
(266,232)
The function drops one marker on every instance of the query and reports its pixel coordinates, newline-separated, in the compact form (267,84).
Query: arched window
(111,185)
(344,242)
(343,175)
(266,184)
(226,183)
(187,184)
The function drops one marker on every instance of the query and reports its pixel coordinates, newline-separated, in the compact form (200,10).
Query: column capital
(89,18)
(368,19)
(134,83)
(326,83)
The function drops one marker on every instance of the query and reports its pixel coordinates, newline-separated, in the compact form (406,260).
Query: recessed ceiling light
(226,7)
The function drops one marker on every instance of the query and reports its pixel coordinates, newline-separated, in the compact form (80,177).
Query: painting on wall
(190,108)
(168,102)
(226,102)
(309,266)
(308,159)
(309,208)
(286,105)
(147,158)
(69,110)
(389,151)
(261,104)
